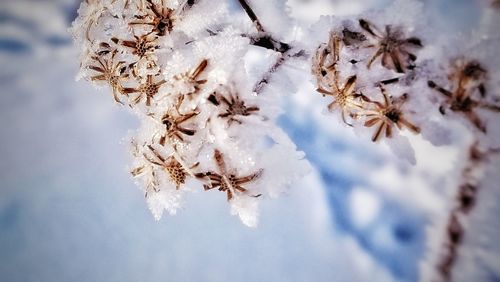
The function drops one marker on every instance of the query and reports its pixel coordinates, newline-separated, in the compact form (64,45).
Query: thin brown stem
(250,13)
(465,201)
(279,62)
(265,40)
(267,76)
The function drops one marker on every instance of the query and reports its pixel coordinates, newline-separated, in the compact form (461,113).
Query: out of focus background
(69,211)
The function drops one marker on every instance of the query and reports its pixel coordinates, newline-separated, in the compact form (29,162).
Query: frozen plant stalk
(179,68)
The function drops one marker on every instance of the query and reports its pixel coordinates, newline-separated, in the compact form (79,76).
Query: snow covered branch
(185,69)
(202,126)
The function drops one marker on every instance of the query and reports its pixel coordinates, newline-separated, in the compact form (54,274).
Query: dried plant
(191,78)
(109,71)
(166,121)
(326,57)
(234,107)
(392,45)
(467,78)
(159,17)
(173,165)
(227,181)
(173,122)
(388,114)
(328,81)
(345,97)
(148,90)
(141,45)
(144,170)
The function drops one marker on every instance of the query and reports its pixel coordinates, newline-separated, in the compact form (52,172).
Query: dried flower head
(192,80)
(233,106)
(345,97)
(388,114)
(159,17)
(392,45)
(147,90)
(173,165)
(109,71)
(326,57)
(173,121)
(141,45)
(225,180)
(467,78)
(324,68)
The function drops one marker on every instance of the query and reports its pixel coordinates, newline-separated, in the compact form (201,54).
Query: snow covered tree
(208,80)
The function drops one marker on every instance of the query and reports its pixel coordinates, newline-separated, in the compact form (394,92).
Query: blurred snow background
(70,212)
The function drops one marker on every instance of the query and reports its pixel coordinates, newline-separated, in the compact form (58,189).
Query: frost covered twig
(201,125)
(465,201)
(263,38)
(282,58)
